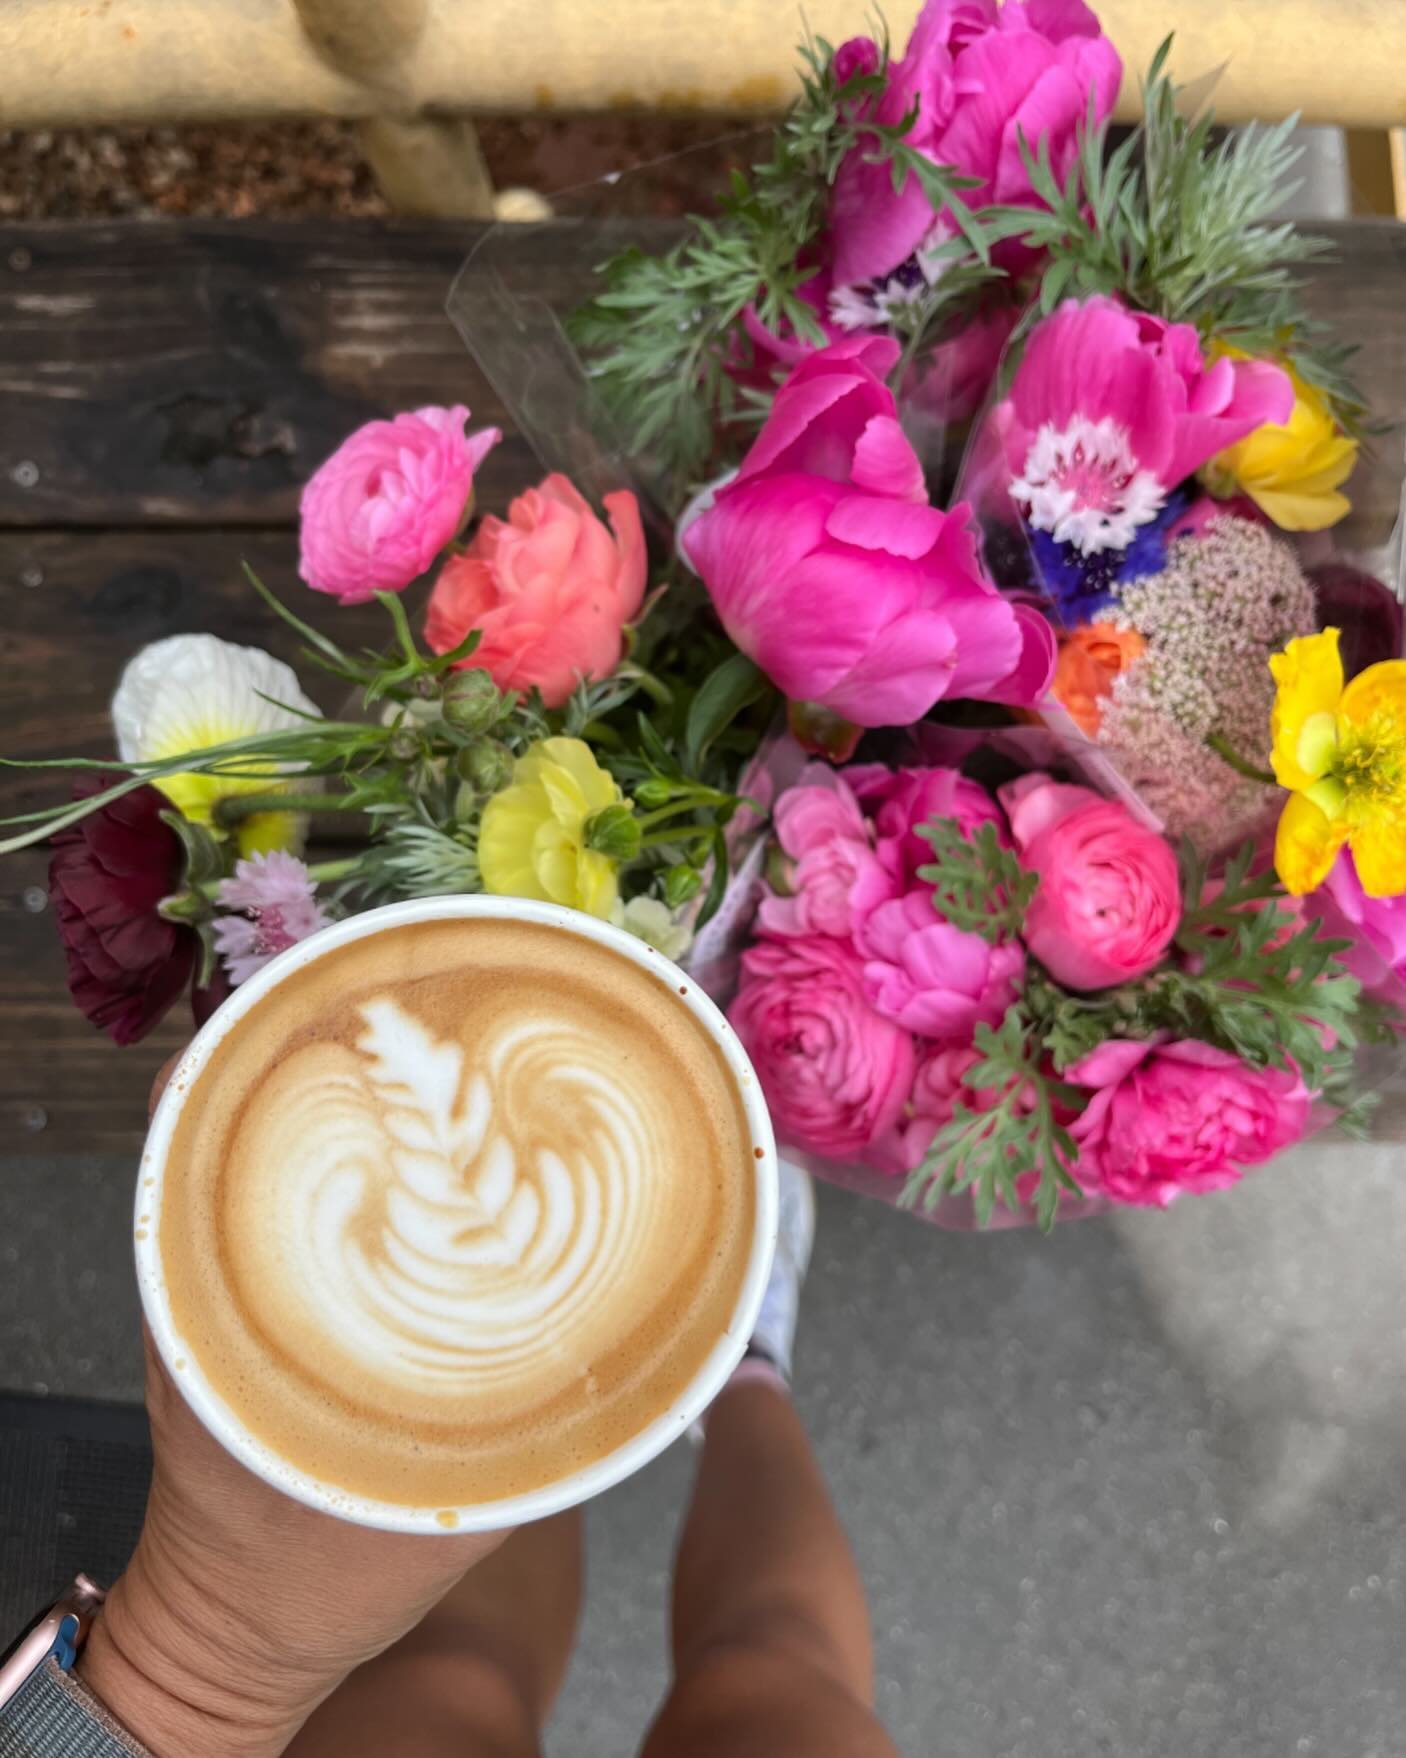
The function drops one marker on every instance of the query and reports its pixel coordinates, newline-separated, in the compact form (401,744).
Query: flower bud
(472,702)
(654,792)
(680,884)
(487,764)
(614,831)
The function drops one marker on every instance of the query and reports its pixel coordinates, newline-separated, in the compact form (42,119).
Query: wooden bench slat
(195,373)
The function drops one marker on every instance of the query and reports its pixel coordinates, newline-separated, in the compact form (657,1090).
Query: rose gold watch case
(79,1604)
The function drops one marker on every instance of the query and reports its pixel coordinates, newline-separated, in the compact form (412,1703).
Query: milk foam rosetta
(457,1209)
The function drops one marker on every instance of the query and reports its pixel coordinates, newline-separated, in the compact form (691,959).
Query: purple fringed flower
(276,896)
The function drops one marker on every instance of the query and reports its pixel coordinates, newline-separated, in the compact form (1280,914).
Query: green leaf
(732,686)
(978,884)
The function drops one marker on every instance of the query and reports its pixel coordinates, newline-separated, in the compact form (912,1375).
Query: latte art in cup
(458,1209)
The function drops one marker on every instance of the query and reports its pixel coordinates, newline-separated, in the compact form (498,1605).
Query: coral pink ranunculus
(831,571)
(835,1073)
(1109,897)
(1166,1119)
(980,75)
(824,834)
(937,980)
(377,513)
(1110,409)
(549,589)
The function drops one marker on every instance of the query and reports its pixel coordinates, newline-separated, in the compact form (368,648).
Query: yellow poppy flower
(1292,473)
(532,840)
(1341,752)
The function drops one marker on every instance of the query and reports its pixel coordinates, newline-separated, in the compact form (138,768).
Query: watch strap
(55,1715)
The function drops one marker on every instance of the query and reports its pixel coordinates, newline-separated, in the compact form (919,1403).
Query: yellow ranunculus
(532,840)
(1292,473)
(1341,753)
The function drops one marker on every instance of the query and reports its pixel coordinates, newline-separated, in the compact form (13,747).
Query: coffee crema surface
(457,1209)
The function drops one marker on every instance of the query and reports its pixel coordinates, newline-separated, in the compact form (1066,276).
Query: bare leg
(772,1656)
(478,1677)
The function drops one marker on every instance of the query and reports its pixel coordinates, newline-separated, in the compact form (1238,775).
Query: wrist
(184,1672)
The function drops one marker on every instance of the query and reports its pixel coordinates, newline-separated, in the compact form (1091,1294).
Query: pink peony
(823,832)
(1375,925)
(549,589)
(1110,409)
(834,1072)
(280,898)
(1109,898)
(828,567)
(383,506)
(900,801)
(981,76)
(932,978)
(1169,1118)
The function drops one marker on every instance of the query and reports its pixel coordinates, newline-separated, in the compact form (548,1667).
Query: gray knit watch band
(56,1716)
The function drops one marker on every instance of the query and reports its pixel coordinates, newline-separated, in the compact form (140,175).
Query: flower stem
(655,688)
(236,806)
(1241,765)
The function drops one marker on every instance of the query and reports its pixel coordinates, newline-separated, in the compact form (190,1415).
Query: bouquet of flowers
(1048,845)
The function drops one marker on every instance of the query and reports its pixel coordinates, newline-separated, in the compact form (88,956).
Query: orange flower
(1090,658)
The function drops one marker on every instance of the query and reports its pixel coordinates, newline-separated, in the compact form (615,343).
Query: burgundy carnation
(127,965)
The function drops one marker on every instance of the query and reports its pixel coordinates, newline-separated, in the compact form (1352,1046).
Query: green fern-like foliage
(1180,219)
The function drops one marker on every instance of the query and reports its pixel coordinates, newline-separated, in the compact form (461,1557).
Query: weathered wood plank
(64,1087)
(77,605)
(195,373)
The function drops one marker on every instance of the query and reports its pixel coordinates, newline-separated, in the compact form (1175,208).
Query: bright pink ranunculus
(549,589)
(981,75)
(377,513)
(1109,897)
(901,801)
(1110,409)
(1376,926)
(829,568)
(937,980)
(835,1074)
(1170,1118)
(937,1087)
(825,836)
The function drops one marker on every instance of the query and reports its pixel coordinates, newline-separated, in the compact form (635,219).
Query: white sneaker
(774,1335)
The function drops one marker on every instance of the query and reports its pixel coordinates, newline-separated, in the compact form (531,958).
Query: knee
(753,1700)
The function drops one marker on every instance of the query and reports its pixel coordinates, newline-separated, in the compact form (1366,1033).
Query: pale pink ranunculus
(1170,1118)
(980,75)
(1376,926)
(378,512)
(549,589)
(828,567)
(1109,897)
(1110,409)
(901,801)
(834,1073)
(829,846)
(933,978)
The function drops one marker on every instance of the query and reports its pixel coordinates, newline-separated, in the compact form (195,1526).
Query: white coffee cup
(580,1486)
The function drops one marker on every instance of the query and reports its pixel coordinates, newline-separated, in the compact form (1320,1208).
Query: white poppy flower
(192,691)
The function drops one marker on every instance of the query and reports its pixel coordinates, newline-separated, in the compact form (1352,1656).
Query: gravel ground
(297,170)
